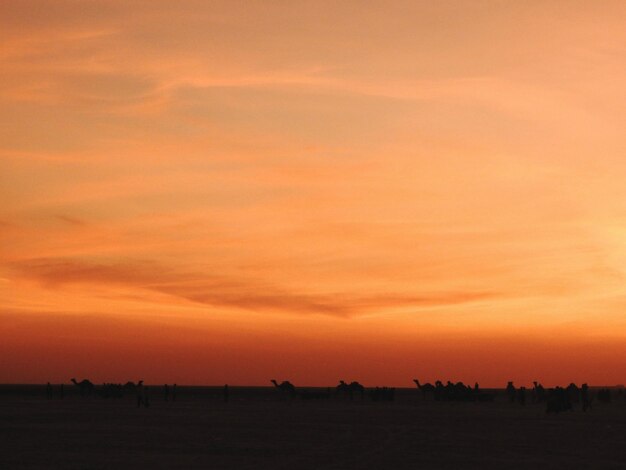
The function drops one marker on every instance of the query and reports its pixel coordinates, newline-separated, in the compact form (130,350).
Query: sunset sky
(210,192)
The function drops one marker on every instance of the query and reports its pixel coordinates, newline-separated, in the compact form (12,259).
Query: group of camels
(457,392)
(87,388)
(346,389)
(557,399)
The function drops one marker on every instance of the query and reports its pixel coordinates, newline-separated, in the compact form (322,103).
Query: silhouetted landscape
(136,425)
(348,206)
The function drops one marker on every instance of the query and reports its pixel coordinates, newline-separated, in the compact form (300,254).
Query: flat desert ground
(258,429)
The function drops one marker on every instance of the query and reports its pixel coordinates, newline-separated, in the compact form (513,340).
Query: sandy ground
(257,429)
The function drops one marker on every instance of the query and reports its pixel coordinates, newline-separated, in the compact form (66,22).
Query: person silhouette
(511,391)
(139,390)
(584,392)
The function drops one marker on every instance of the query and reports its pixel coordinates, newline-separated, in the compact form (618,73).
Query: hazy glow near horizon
(228,192)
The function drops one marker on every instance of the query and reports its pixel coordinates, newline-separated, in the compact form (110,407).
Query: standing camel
(425,389)
(350,388)
(285,387)
(85,386)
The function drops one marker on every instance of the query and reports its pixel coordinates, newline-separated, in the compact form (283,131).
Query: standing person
(511,391)
(584,391)
(140,393)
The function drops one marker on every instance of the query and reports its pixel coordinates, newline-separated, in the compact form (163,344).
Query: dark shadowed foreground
(258,428)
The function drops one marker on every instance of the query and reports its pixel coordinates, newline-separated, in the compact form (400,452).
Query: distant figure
(521,396)
(174,393)
(476,393)
(85,387)
(482,396)
(573,392)
(285,387)
(226,393)
(48,391)
(584,394)
(440,391)
(166,392)
(426,389)
(511,392)
(539,393)
(141,394)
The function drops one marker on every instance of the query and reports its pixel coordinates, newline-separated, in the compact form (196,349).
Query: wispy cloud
(219,291)
(71,220)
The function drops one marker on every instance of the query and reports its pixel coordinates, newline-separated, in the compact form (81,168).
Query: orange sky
(212,192)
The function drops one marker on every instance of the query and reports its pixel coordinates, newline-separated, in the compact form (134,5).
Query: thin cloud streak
(71,220)
(220,291)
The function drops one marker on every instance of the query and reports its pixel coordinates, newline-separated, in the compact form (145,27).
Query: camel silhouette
(459,392)
(425,388)
(285,387)
(85,386)
(350,388)
(130,385)
(573,392)
(455,391)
